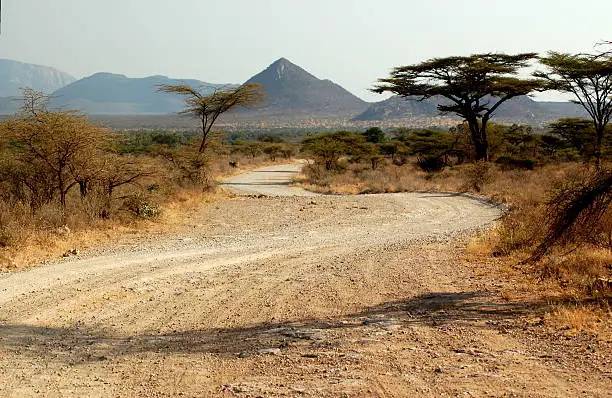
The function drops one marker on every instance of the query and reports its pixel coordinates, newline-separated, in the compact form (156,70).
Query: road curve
(97,324)
(268,181)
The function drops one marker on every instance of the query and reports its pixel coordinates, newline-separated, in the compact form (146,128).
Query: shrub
(141,206)
(431,164)
(6,237)
(511,163)
(478,174)
(575,212)
(519,229)
(329,148)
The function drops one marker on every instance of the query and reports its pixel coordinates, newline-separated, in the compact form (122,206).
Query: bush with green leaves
(328,148)
(434,149)
(512,163)
(375,135)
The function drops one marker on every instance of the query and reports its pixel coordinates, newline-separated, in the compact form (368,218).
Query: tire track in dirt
(286,294)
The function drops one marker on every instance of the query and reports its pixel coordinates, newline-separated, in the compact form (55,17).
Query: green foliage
(148,142)
(478,175)
(278,150)
(473,87)
(172,140)
(434,149)
(251,148)
(510,163)
(515,141)
(588,77)
(272,146)
(374,135)
(396,150)
(430,163)
(208,107)
(271,138)
(576,134)
(328,148)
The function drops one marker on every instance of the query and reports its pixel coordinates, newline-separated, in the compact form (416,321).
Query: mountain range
(521,109)
(113,94)
(15,75)
(291,93)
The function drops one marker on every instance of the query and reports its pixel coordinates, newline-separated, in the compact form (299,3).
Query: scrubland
(572,270)
(67,184)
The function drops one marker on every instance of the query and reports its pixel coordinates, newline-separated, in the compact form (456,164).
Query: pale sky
(352,42)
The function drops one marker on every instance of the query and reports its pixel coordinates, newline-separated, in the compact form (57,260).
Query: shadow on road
(80,345)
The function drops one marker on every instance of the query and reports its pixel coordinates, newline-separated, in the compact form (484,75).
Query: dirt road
(269,181)
(284,296)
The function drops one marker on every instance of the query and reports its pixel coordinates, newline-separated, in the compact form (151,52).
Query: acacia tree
(49,149)
(575,133)
(474,87)
(328,148)
(207,107)
(589,78)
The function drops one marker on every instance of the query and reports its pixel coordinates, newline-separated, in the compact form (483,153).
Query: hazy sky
(352,42)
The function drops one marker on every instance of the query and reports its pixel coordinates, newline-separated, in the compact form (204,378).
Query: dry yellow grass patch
(578,318)
(49,233)
(35,246)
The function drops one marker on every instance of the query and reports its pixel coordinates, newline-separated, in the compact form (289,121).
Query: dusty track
(313,296)
(269,181)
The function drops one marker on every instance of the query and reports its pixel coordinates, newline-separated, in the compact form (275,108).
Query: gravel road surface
(269,181)
(278,296)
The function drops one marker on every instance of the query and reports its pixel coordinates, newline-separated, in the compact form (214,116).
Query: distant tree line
(510,146)
(476,86)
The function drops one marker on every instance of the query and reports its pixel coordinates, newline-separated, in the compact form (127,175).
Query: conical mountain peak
(291,90)
(284,70)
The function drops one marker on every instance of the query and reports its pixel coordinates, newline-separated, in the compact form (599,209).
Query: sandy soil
(288,296)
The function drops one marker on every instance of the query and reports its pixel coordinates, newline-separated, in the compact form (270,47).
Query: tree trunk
(83,188)
(61,189)
(482,150)
(205,131)
(479,139)
(599,133)
(203,145)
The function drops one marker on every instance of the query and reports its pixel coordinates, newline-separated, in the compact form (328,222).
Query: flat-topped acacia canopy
(475,87)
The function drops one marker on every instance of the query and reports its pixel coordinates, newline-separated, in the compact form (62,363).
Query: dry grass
(221,168)
(34,246)
(360,179)
(525,193)
(28,238)
(578,318)
(588,267)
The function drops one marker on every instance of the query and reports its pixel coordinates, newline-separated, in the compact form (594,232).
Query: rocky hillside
(519,110)
(15,75)
(293,92)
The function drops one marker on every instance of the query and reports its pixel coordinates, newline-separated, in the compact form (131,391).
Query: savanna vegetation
(554,181)
(66,182)
(60,173)
(558,223)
